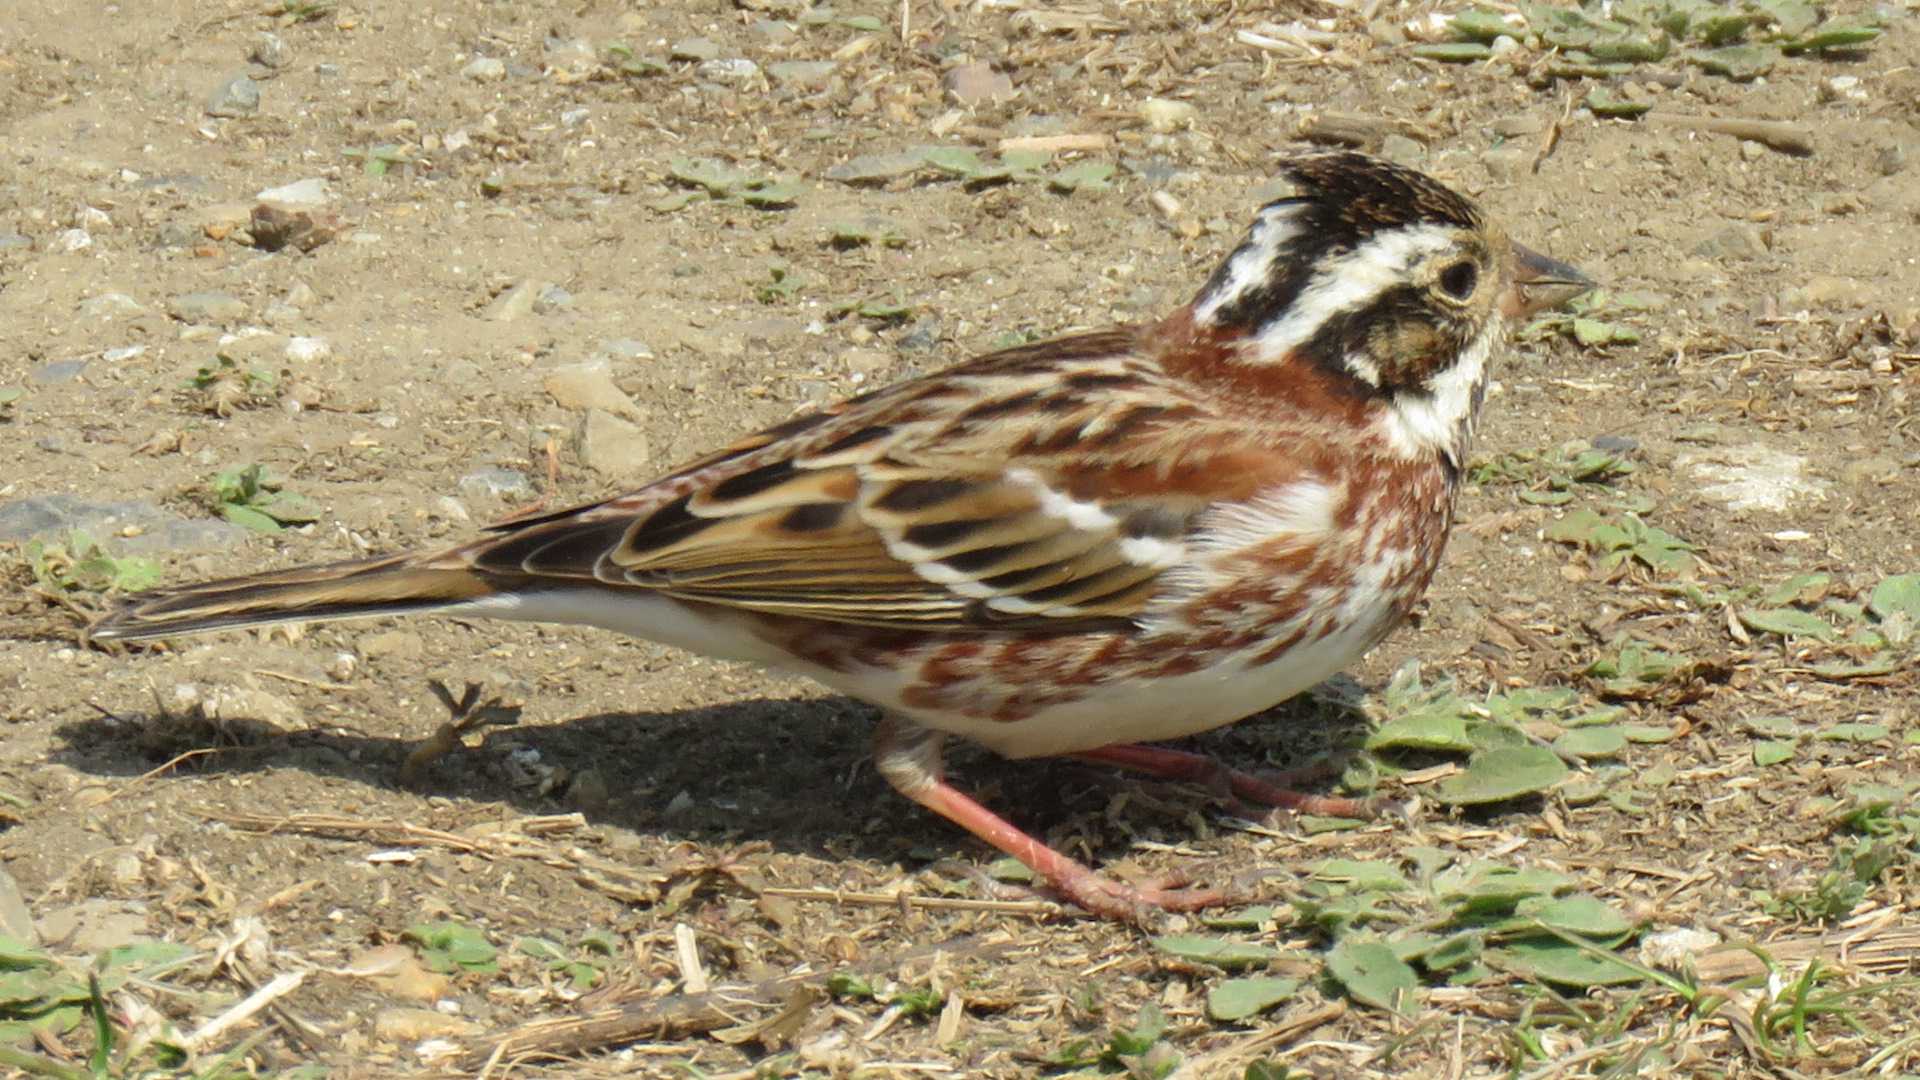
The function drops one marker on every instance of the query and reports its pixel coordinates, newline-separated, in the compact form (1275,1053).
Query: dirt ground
(489,228)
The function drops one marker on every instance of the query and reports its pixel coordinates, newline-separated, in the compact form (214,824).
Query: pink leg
(909,757)
(1181,765)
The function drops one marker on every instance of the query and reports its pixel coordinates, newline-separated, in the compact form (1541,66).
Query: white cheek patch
(1441,420)
(1348,283)
(1252,263)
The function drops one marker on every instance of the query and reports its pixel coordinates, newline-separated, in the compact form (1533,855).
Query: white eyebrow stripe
(1249,265)
(1349,283)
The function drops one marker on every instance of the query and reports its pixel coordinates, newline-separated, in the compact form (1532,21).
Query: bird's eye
(1459,279)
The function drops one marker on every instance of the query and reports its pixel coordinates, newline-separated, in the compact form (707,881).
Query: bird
(1076,547)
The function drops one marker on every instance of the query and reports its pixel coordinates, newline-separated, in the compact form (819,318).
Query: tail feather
(346,590)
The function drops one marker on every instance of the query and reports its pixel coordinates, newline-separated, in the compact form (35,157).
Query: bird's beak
(1540,283)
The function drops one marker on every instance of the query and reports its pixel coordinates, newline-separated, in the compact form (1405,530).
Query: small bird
(1064,548)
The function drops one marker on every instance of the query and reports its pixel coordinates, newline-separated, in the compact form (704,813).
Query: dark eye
(1459,279)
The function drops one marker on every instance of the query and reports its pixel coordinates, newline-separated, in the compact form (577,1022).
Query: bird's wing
(1049,486)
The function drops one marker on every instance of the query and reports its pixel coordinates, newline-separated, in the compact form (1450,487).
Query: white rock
(312,191)
(308,349)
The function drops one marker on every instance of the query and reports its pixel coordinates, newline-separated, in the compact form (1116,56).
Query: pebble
(733,70)
(924,335)
(773,32)
(876,168)
(60,371)
(392,644)
(496,483)
(1736,241)
(1752,477)
(407,1026)
(93,926)
(237,97)
(696,48)
(485,69)
(1616,444)
(1506,163)
(310,192)
(611,445)
(41,517)
(207,307)
(801,74)
(516,302)
(16,919)
(551,299)
(589,386)
(976,83)
(626,349)
(71,240)
(176,234)
(1829,291)
(269,51)
(1402,151)
(1165,114)
(111,305)
(92,217)
(304,350)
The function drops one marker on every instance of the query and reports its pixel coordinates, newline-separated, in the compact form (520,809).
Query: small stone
(207,307)
(924,335)
(237,97)
(1402,151)
(1165,114)
(1504,45)
(801,74)
(1736,241)
(551,299)
(405,1026)
(876,168)
(516,302)
(496,483)
(301,194)
(93,926)
(1890,159)
(613,446)
(589,386)
(976,84)
(626,349)
(147,527)
(1506,163)
(732,71)
(16,919)
(71,240)
(485,69)
(60,371)
(110,306)
(176,234)
(773,32)
(1615,444)
(306,350)
(696,49)
(868,363)
(269,51)
(92,217)
(588,791)
(392,645)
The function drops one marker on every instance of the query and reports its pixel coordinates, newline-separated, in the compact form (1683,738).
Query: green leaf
(1480,889)
(1370,875)
(1792,17)
(1479,24)
(1498,775)
(717,178)
(1591,742)
(1895,595)
(954,160)
(1798,589)
(1588,916)
(1832,36)
(1852,732)
(1219,952)
(1562,963)
(1453,52)
(1373,975)
(1429,729)
(1737,62)
(1787,622)
(1237,999)
(1085,176)
(773,194)
(1773,751)
(1247,918)
(248,518)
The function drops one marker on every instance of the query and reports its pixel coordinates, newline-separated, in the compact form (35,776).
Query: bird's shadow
(792,773)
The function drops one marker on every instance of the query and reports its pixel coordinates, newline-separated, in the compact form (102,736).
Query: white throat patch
(1441,420)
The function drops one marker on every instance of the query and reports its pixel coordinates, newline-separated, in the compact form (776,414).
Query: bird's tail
(346,590)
